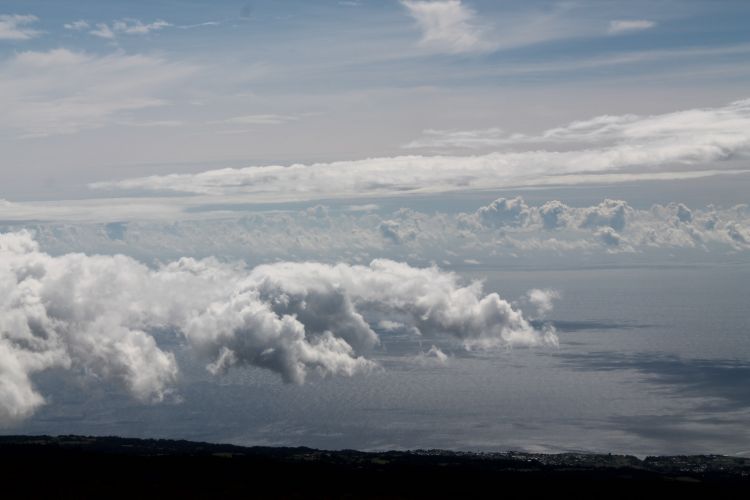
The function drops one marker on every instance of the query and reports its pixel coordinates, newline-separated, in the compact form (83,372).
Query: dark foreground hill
(104,467)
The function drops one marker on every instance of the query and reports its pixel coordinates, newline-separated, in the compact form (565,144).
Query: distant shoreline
(95,466)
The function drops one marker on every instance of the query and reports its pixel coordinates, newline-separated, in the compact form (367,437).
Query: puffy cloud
(628,25)
(738,233)
(684,214)
(434,356)
(447,26)
(16,27)
(553,214)
(519,231)
(95,315)
(502,212)
(670,141)
(609,236)
(542,300)
(611,213)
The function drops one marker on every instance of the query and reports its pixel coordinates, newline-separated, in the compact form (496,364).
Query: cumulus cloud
(629,25)
(447,26)
(16,27)
(553,214)
(434,356)
(609,236)
(95,315)
(542,300)
(671,143)
(611,213)
(503,212)
(505,230)
(62,91)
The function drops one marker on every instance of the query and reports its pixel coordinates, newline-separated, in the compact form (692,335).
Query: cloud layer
(37,102)
(505,231)
(633,145)
(96,316)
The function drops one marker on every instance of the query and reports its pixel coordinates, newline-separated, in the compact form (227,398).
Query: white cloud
(103,31)
(16,27)
(548,233)
(93,315)
(447,26)
(62,91)
(542,300)
(625,26)
(726,122)
(502,212)
(434,356)
(127,27)
(578,152)
(79,25)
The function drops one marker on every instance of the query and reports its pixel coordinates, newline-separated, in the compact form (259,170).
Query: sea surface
(651,361)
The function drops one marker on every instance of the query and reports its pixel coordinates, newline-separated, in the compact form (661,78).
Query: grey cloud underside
(505,230)
(96,315)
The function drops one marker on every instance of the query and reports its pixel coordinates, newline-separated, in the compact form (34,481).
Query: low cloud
(94,316)
(503,212)
(434,356)
(542,300)
(507,228)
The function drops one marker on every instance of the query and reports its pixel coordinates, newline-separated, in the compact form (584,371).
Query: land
(81,466)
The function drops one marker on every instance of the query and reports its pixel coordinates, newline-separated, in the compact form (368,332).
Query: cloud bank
(507,231)
(96,315)
(667,145)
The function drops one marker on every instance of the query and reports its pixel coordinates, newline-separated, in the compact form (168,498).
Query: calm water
(650,361)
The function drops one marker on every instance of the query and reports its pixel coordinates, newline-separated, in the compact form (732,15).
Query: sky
(281,185)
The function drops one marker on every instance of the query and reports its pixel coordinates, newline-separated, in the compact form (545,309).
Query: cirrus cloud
(628,25)
(16,27)
(38,101)
(447,25)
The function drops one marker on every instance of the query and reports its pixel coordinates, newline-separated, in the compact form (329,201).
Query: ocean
(651,361)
